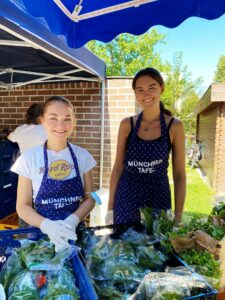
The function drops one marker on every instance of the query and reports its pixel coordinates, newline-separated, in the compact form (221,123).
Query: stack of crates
(8,179)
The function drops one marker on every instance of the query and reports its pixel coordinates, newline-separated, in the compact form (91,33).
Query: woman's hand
(109,217)
(59,232)
(177,218)
(72,220)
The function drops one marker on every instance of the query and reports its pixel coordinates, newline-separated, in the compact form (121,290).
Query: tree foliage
(186,113)
(179,84)
(220,70)
(127,54)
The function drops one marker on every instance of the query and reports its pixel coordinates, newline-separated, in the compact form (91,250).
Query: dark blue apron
(144,181)
(57,199)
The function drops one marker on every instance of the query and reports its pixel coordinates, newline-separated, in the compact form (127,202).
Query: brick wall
(120,103)
(86,98)
(219,178)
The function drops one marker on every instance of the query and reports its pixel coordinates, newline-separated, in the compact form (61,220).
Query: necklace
(146,126)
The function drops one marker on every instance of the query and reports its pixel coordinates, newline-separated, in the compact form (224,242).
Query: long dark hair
(155,74)
(33,113)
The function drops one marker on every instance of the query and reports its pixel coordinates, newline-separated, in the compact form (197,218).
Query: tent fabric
(83,20)
(29,51)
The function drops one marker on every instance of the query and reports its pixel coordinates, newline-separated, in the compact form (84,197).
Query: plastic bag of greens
(138,238)
(151,259)
(160,286)
(163,223)
(33,252)
(10,269)
(24,287)
(196,283)
(147,219)
(57,261)
(60,286)
(168,293)
(109,293)
(126,277)
(121,251)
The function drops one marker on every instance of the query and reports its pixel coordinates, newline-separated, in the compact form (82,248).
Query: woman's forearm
(29,215)
(179,195)
(85,208)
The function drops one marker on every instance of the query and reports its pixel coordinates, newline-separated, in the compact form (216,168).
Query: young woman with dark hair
(139,176)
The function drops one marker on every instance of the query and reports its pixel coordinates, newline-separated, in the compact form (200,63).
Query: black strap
(169,125)
(131,123)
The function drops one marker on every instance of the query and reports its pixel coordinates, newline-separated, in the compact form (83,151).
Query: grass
(199,197)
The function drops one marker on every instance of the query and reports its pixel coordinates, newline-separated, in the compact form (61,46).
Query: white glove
(59,232)
(72,220)
(109,217)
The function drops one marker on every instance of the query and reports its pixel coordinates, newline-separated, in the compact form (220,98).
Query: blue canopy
(83,20)
(31,53)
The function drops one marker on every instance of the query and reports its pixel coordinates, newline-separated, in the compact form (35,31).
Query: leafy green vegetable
(10,269)
(60,284)
(151,259)
(163,225)
(207,265)
(23,287)
(122,251)
(203,224)
(219,209)
(36,252)
(109,293)
(147,218)
(167,295)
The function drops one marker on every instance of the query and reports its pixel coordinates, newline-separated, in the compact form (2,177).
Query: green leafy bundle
(205,262)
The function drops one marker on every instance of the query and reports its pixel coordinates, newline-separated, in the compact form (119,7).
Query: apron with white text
(57,199)
(144,181)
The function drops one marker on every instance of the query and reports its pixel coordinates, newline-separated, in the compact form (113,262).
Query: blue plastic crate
(174,260)
(83,282)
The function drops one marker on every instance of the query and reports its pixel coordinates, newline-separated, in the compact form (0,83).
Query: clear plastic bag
(10,269)
(138,238)
(60,286)
(23,287)
(33,252)
(173,284)
(151,259)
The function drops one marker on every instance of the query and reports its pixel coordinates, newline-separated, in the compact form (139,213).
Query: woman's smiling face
(58,120)
(147,91)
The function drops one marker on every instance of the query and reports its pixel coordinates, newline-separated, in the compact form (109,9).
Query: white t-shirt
(60,165)
(28,136)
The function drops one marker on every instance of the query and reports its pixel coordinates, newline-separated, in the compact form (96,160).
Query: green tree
(220,71)
(179,84)
(186,113)
(127,54)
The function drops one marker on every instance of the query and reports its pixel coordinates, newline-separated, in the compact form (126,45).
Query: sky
(202,43)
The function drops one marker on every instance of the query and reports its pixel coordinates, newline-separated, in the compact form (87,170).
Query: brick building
(210,113)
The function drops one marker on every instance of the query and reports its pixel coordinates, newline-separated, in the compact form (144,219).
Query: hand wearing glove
(109,217)
(73,221)
(59,232)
